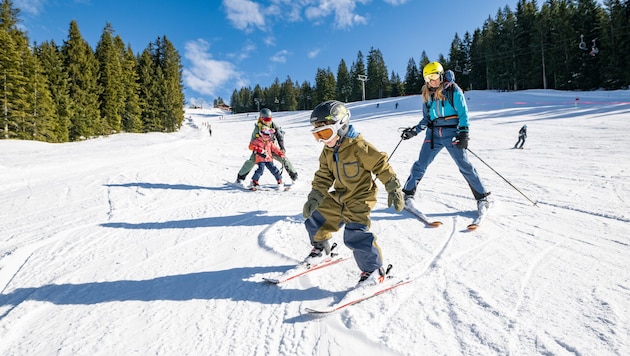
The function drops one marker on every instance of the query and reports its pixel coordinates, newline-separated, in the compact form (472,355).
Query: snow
(139,244)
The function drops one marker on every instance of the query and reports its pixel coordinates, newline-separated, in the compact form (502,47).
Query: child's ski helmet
(332,112)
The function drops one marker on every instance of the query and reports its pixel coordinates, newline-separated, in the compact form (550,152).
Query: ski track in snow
(140,244)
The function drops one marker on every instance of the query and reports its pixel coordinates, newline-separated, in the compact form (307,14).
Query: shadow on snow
(257,217)
(229,284)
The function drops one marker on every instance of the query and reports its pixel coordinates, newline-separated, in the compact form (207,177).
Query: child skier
(264,149)
(265,120)
(346,164)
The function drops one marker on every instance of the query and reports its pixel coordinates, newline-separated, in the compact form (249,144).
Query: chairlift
(466,70)
(457,67)
(594,49)
(582,43)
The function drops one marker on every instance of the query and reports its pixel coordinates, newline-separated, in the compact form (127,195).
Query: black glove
(462,138)
(408,133)
(261,153)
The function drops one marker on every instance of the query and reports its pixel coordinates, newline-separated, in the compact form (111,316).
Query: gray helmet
(332,112)
(265,113)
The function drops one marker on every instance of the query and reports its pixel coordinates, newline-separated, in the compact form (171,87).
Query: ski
(307,267)
(360,294)
(266,187)
(420,216)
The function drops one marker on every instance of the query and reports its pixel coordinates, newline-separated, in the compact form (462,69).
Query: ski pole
(390,156)
(507,181)
(395,148)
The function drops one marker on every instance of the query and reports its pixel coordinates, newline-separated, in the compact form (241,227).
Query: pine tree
(617,42)
(110,81)
(324,85)
(357,69)
(272,96)
(235,102)
(527,63)
(288,95)
(411,77)
(173,89)
(477,64)
(306,95)
(39,108)
(149,91)
(378,85)
(131,111)
(13,79)
(51,60)
(344,86)
(398,89)
(82,69)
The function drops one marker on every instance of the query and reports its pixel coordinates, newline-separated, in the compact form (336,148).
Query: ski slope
(138,244)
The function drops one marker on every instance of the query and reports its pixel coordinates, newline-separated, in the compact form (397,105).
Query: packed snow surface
(140,243)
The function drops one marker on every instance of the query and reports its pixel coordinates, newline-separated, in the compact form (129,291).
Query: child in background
(264,149)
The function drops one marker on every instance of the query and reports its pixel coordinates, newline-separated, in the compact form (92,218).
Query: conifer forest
(67,92)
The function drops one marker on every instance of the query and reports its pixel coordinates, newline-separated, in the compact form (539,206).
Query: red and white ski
(304,268)
(360,294)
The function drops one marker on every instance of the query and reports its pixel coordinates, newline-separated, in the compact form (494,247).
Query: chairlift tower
(362,78)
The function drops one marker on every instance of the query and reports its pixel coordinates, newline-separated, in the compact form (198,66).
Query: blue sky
(228,44)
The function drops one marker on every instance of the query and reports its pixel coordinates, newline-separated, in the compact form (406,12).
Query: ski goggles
(325,133)
(265,119)
(432,76)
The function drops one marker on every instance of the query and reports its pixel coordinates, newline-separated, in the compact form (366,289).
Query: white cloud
(30,6)
(395,2)
(343,11)
(247,15)
(205,75)
(244,53)
(313,53)
(280,57)
(270,41)
(244,14)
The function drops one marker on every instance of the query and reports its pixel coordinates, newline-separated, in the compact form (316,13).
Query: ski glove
(395,194)
(408,133)
(462,138)
(315,198)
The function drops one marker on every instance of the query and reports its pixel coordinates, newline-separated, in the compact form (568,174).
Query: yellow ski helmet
(431,69)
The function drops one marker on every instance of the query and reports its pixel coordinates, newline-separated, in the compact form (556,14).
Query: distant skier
(522,135)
